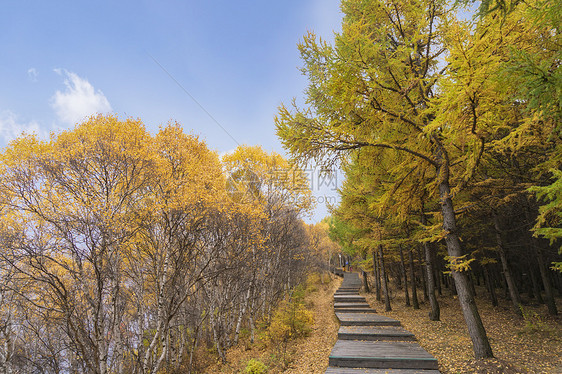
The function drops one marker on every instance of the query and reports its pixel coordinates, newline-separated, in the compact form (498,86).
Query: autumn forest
(123,251)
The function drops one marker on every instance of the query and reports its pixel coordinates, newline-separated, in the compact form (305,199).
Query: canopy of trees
(122,251)
(449,133)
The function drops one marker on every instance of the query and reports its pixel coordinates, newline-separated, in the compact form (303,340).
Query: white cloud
(79,100)
(11,127)
(32,74)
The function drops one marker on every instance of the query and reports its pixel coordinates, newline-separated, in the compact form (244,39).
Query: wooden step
(352,305)
(394,333)
(349,299)
(336,370)
(365,319)
(381,355)
(355,310)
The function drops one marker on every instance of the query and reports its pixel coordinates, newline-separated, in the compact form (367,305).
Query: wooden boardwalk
(375,333)
(369,343)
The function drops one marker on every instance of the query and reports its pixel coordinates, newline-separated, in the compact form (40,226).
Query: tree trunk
(377,274)
(415,302)
(536,287)
(491,286)
(424,275)
(384,281)
(481,345)
(452,285)
(477,276)
(435,311)
(471,279)
(365,281)
(241,313)
(404,276)
(394,271)
(437,273)
(513,291)
(549,296)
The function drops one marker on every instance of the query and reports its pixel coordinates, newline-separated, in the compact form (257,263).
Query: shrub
(291,319)
(255,367)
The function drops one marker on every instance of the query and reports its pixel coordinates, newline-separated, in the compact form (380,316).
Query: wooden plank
(358,308)
(365,319)
(337,370)
(396,333)
(355,310)
(352,305)
(381,355)
(349,298)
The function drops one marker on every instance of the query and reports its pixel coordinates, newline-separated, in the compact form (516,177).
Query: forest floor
(532,344)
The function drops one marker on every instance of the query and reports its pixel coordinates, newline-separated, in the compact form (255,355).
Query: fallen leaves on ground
(531,345)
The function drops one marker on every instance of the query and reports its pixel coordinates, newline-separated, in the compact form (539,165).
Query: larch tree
(380,87)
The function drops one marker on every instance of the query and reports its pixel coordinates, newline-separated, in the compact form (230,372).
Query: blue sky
(64,60)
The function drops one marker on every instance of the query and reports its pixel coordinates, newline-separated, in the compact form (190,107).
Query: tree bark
(435,312)
(387,306)
(404,275)
(513,291)
(438,276)
(476,330)
(424,279)
(471,281)
(365,281)
(491,286)
(415,302)
(376,273)
(242,312)
(549,296)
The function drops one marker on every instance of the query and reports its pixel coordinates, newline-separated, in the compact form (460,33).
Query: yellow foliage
(459,263)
